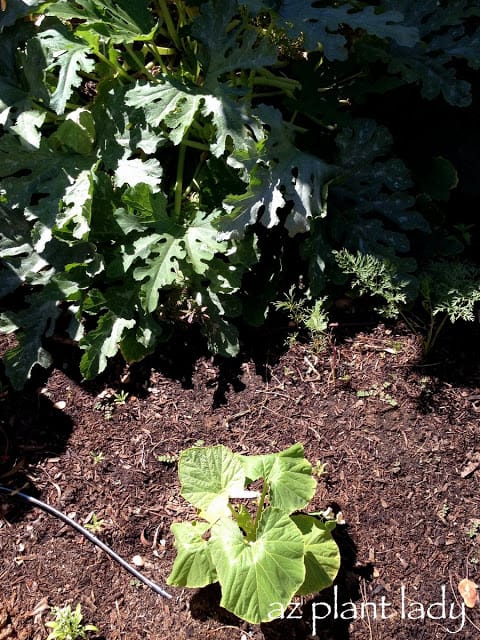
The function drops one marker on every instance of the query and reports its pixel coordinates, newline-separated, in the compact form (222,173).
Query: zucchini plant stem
(172,32)
(261,502)
(179,180)
(158,57)
(121,72)
(93,539)
(138,62)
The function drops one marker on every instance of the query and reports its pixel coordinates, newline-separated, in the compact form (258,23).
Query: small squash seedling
(261,556)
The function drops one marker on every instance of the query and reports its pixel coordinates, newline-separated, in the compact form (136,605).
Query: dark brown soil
(400,437)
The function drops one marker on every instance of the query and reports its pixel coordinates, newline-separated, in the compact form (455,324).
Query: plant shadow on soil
(177,360)
(320,615)
(32,429)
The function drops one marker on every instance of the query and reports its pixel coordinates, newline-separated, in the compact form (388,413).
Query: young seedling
(67,624)
(264,555)
(120,397)
(97,457)
(94,523)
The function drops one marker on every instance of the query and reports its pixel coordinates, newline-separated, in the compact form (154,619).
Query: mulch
(399,434)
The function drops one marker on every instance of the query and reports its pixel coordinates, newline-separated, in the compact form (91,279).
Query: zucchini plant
(148,148)
(258,544)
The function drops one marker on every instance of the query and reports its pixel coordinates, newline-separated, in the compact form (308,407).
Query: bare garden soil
(400,436)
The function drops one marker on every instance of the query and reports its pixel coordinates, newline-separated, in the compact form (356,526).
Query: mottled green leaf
(224,48)
(201,242)
(102,343)
(119,22)
(322,26)
(136,171)
(38,320)
(71,55)
(163,266)
(170,102)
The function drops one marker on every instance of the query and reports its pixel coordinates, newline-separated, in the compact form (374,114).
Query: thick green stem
(172,31)
(196,145)
(158,56)
(121,72)
(179,180)
(138,62)
(261,503)
(280,83)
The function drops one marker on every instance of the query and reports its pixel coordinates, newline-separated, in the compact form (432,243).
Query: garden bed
(400,438)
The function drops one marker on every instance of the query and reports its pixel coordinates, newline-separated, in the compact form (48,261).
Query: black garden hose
(93,539)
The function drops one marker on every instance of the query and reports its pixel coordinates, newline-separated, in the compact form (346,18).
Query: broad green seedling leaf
(256,574)
(209,476)
(193,566)
(322,557)
(288,475)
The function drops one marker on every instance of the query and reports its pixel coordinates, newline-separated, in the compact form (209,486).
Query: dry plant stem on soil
(93,539)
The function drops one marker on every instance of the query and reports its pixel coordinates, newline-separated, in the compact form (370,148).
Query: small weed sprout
(105,408)
(120,397)
(97,457)
(444,511)
(167,458)
(379,392)
(94,524)
(474,529)
(320,469)
(67,624)
(304,316)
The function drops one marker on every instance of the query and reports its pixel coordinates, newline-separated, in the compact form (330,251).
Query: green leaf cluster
(67,624)
(261,556)
(150,150)
(446,289)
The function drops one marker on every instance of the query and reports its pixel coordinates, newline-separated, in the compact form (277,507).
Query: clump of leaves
(67,624)
(260,555)
(380,392)
(375,276)
(448,290)
(167,458)
(304,314)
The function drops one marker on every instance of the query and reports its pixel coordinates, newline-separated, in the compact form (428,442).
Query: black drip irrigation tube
(93,539)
